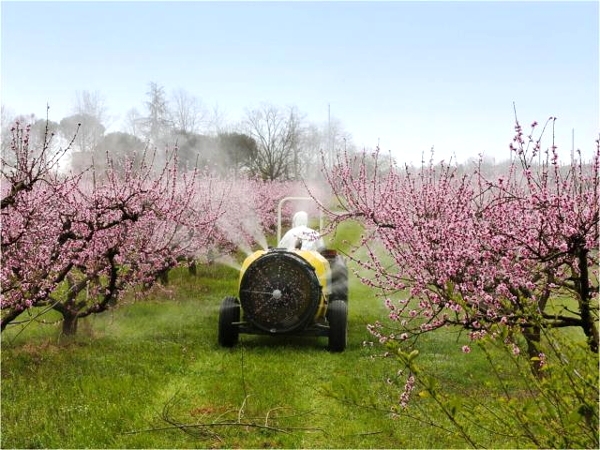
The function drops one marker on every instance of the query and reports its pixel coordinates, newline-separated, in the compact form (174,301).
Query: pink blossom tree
(474,252)
(503,257)
(74,245)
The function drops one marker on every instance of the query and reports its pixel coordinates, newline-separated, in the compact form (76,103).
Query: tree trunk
(163,276)
(533,336)
(589,323)
(192,268)
(69,325)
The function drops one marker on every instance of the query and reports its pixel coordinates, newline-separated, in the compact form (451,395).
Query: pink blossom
(481,245)
(408,388)
(542,357)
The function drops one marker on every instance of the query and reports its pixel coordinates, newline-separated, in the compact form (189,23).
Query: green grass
(132,374)
(115,379)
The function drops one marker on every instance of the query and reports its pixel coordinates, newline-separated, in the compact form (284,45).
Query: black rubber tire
(229,313)
(337,315)
(339,280)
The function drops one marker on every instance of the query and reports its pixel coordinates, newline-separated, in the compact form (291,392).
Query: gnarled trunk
(533,337)
(69,325)
(588,322)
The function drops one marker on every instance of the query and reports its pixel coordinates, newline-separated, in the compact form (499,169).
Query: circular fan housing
(279,292)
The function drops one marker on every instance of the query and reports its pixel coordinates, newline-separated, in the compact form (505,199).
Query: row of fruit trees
(74,243)
(510,258)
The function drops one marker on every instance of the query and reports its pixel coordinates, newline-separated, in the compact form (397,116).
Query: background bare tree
(218,118)
(277,133)
(91,103)
(157,124)
(88,121)
(327,138)
(188,113)
(134,123)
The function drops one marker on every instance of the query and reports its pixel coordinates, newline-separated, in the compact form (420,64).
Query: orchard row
(473,250)
(76,243)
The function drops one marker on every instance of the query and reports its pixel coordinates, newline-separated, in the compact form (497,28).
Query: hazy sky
(409,75)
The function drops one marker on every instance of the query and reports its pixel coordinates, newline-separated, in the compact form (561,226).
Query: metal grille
(279,292)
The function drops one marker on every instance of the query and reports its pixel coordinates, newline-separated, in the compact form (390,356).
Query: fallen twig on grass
(202,429)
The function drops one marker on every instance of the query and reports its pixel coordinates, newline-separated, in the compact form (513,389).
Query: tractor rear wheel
(337,315)
(339,279)
(229,315)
